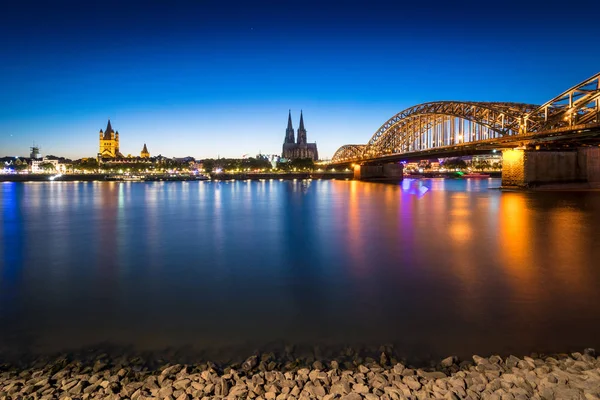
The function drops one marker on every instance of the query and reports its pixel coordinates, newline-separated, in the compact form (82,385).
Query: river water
(434,267)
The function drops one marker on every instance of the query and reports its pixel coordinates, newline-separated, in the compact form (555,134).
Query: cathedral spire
(290,120)
(289,132)
(301,130)
(301,121)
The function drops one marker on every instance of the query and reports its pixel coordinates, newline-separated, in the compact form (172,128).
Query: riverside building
(110,148)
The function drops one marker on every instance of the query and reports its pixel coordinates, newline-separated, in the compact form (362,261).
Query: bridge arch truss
(441,124)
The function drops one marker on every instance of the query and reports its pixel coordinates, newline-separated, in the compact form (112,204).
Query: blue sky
(216,78)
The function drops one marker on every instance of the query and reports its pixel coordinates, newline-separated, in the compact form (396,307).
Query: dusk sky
(216,78)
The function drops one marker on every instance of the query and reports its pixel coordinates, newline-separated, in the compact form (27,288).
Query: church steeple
(301,130)
(144,153)
(289,132)
(108,132)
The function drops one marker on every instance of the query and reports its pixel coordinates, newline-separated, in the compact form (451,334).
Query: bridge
(565,129)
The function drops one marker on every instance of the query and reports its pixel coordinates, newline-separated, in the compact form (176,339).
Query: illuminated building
(109,143)
(294,149)
(145,153)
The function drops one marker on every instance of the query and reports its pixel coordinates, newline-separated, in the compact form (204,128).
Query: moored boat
(475,175)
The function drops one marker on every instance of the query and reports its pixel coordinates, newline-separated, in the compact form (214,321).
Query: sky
(216,78)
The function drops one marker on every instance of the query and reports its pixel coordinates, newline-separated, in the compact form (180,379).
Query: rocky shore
(262,376)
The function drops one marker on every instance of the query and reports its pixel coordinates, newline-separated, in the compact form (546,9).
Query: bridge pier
(392,172)
(527,168)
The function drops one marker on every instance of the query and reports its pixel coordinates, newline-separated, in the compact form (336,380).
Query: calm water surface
(436,267)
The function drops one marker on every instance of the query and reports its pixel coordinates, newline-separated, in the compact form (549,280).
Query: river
(434,267)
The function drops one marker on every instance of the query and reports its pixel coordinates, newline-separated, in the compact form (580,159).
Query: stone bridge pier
(529,168)
(391,172)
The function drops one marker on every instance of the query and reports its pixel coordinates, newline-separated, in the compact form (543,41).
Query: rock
(352,396)
(448,362)
(165,391)
(363,369)
(383,359)
(250,363)
(398,368)
(590,352)
(317,391)
(512,361)
(173,369)
(411,382)
(181,384)
(318,365)
(222,388)
(360,388)
(432,375)
(480,360)
(210,388)
(114,387)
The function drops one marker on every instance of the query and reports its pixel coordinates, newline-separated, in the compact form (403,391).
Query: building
(110,149)
(109,143)
(40,165)
(145,153)
(298,148)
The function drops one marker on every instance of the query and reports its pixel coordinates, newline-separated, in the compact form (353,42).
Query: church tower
(289,132)
(301,131)
(109,142)
(145,153)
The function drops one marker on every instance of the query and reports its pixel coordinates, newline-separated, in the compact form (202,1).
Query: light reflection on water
(436,267)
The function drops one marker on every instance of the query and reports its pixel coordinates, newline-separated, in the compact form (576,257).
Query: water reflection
(437,266)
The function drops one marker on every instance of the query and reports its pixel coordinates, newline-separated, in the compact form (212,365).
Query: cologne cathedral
(298,148)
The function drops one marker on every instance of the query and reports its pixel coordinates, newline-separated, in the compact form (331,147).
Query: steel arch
(348,152)
(498,117)
(576,106)
(450,123)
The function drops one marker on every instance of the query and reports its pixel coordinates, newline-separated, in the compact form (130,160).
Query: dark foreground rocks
(575,376)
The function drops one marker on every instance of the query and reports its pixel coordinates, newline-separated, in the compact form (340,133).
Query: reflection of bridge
(452,128)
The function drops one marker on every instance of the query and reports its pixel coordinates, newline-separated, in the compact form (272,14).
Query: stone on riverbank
(562,377)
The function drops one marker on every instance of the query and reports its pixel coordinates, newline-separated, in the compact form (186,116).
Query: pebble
(574,376)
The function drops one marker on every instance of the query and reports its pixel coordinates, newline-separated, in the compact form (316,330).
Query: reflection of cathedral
(293,149)
(109,146)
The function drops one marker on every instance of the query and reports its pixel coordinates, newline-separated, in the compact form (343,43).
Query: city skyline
(190,82)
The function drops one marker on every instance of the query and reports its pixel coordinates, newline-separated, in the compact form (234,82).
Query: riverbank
(152,178)
(262,376)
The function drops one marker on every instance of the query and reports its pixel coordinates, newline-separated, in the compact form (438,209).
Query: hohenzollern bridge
(532,138)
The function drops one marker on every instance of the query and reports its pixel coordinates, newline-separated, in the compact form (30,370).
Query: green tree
(455,163)
(20,165)
(303,164)
(87,164)
(47,167)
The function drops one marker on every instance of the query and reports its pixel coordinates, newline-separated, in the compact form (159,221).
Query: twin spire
(289,132)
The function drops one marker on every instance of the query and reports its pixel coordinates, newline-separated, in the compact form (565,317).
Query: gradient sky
(216,78)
